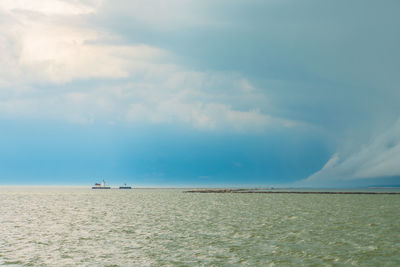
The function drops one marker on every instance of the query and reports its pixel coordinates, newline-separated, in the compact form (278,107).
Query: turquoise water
(69,227)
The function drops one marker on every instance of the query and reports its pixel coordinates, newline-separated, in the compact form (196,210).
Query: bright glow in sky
(199,93)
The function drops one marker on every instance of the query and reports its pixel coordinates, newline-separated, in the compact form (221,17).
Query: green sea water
(142,227)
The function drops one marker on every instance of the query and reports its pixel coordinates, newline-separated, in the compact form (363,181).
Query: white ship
(101,186)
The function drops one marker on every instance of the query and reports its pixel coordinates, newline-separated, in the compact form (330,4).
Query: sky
(200,93)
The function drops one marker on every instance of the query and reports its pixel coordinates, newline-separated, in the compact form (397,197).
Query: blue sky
(199,93)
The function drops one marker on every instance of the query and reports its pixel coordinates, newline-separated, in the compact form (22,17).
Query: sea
(59,226)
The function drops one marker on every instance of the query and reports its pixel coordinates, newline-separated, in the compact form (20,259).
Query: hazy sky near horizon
(200,93)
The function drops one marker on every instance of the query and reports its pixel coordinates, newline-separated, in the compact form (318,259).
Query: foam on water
(69,227)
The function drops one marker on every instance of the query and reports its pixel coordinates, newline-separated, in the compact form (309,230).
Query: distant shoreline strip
(291,192)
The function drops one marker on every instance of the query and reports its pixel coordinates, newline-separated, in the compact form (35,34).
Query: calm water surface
(70,227)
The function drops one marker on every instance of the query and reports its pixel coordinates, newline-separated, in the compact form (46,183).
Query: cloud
(51,7)
(50,44)
(47,49)
(379,158)
(160,15)
(187,100)
(206,116)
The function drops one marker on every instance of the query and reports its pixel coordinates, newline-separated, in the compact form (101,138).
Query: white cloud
(205,116)
(47,50)
(147,101)
(51,7)
(377,159)
(47,44)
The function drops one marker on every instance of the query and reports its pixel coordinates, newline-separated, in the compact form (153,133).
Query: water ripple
(69,227)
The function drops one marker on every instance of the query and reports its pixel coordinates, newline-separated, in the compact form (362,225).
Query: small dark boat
(125,187)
